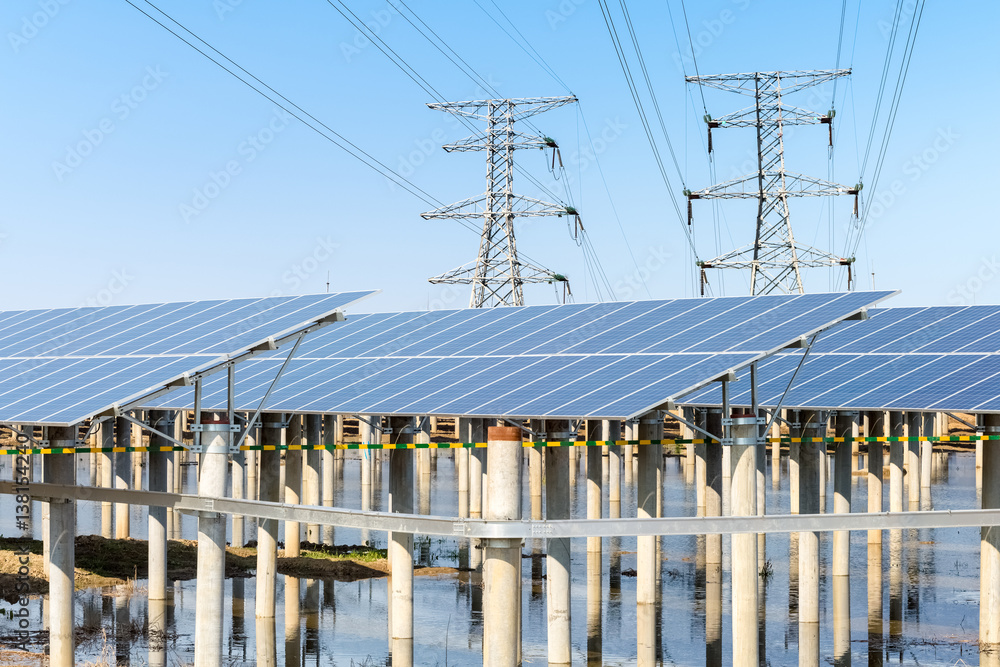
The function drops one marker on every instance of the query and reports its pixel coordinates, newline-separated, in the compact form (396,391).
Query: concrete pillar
(875,428)
(842,480)
(727,481)
(293,483)
(107,477)
(535,464)
(775,436)
(123,474)
(267,533)
(327,456)
(477,469)
(927,430)
(61,469)
(700,452)
(422,436)
(795,431)
(160,420)
(914,422)
(310,471)
(238,472)
(713,487)
(401,544)
(813,426)
(689,456)
(650,460)
(462,430)
(989,563)
(595,431)
(743,496)
(502,566)
(613,433)
(215,440)
(897,468)
(557,506)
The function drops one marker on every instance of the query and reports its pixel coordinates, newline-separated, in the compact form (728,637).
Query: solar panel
(607,360)
(62,366)
(944,358)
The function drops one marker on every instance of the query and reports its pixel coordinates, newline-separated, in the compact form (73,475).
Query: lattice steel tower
(497,275)
(775,258)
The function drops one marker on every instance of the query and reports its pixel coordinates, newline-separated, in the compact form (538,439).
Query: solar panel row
(63,366)
(578,360)
(943,358)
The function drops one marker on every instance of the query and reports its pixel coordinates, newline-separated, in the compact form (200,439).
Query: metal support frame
(974,427)
(251,423)
(791,381)
(479,528)
(30,436)
(775,258)
(497,275)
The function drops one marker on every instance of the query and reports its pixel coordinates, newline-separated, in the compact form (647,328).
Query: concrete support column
(535,463)
(650,460)
(107,477)
(422,436)
(502,567)
(700,475)
(239,492)
(844,428)
(328,460)
(595,480)
(463,430)
(557,562)
(215,440)
(613,433)
(689,456)
(814,426)
(875,428)
(293,482)
(311,473)
(927,429)
(713,487)
(123,474)
(401,544)
(157,537)
(477,469)
(989,563)
(897,429)
(775,436)
(743,496)
(794,448)
(61,469)
(267,532)
(914,423)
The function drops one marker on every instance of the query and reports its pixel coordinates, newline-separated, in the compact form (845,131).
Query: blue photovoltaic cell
(63,366)
(575,360)
(918,359)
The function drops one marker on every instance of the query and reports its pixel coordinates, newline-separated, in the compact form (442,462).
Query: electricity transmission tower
(497,275)
(775,258)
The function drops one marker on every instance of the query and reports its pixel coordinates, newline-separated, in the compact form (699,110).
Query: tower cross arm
(788,81)
(786,114)
(481,142)
(476,207)
(518,107)
(795,185)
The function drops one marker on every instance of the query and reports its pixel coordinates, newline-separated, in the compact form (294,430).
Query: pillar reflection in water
(713,604)
(238,638)
(842,621)
(895,587)
(875,626)
(157,628)
(310,608)
(293,637)
(267,650)
(594,601)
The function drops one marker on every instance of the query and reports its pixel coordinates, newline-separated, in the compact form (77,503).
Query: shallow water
(934,590)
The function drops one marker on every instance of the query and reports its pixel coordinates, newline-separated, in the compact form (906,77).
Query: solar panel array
(608,360)
(62,366)
(944,358)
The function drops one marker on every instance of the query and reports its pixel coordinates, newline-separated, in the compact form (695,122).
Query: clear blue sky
(113,128)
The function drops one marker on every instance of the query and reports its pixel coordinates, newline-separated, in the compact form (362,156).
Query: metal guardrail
(483,529)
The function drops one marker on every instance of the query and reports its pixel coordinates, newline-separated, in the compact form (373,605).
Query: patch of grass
(362,554)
